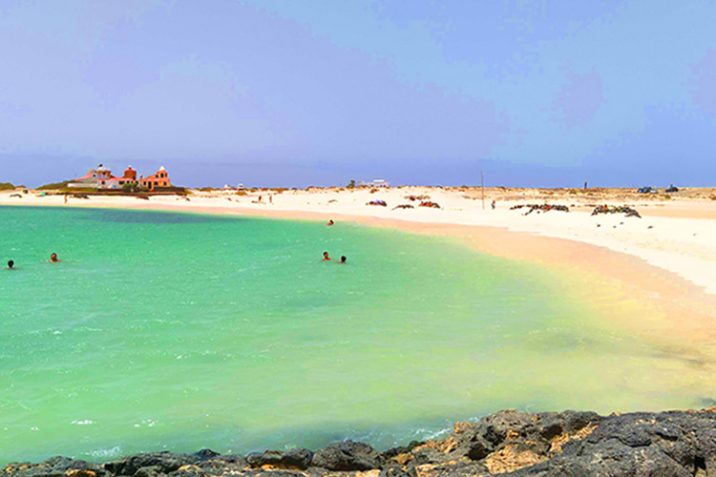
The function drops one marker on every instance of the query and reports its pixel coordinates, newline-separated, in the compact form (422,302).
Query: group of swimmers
(53,259)
(326,257)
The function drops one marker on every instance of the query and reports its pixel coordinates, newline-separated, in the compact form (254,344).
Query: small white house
(376,183)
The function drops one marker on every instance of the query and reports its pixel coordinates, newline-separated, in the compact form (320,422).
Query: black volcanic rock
(292,459)
(668,444)
(53,467)
(507,443)
(347,455)
(161,462)
(206,454)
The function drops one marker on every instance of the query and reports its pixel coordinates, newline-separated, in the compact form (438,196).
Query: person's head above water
(343,259)
(326,256)
(53,257)
(10,264)
(330,222)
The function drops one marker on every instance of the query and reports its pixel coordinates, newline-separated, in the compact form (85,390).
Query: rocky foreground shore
(509,443)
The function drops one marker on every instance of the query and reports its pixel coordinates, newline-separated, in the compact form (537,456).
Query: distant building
(130,174)
(101,178)
(92,179)
(376,183)
(157,180)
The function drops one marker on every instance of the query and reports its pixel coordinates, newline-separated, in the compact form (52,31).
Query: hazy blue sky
(299,92)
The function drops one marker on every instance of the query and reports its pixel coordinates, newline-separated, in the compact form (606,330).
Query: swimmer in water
(330,222)
(53,258)
(343,259)
(10,265)
(326,257)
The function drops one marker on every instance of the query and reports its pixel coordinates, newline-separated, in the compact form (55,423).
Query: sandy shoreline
(659,267)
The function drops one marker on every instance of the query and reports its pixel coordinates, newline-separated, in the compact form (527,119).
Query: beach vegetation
(132,188)
(351,184)
(6,186)
(54,186)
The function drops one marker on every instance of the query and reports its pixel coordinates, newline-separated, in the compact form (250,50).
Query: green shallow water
(179,331)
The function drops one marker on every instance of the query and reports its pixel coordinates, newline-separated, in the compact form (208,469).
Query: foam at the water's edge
(566,443)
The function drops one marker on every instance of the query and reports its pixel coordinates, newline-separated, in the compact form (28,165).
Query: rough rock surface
(508,443)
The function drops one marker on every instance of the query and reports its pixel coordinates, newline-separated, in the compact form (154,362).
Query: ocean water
(180,331)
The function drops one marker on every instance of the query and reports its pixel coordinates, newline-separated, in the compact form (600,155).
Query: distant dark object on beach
(380,203)
(427,203)
(19,196)
(646,190)
(413,198)
(622,209)
(80,196)
(541,208)
(404,206)
(672,189)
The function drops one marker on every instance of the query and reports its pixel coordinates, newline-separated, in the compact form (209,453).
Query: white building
(376,183)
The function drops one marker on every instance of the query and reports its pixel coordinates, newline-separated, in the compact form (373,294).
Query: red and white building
(101,178)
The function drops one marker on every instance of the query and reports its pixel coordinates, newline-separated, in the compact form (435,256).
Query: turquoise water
(178,331)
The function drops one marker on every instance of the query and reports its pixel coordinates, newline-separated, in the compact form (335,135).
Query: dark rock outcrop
(508,443)
(150,465)
(347,455)
(54,467)
(669,443)
(295,458)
